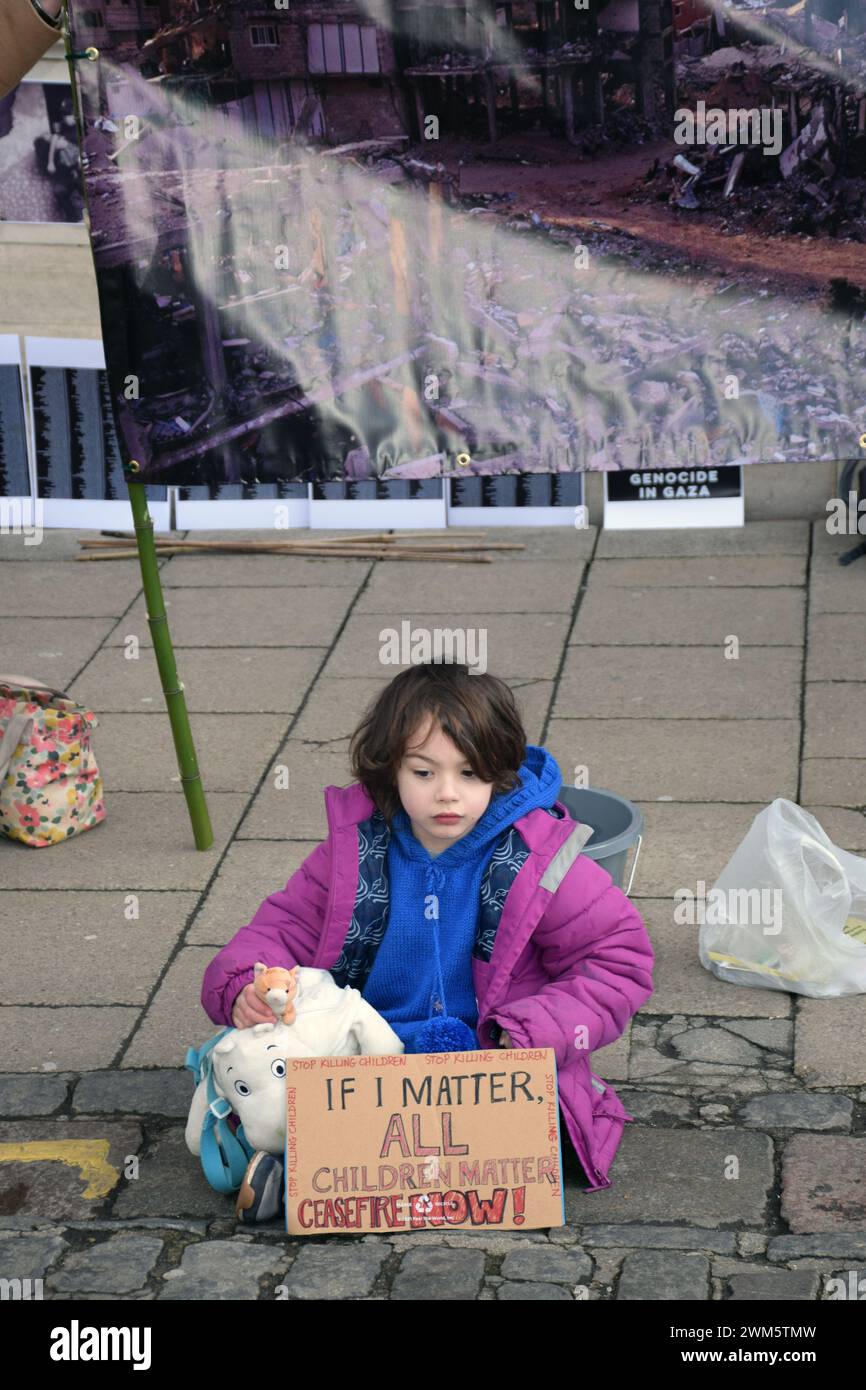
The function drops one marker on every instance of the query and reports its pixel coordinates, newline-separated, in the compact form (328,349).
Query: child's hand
(249,1009)
(505,1039)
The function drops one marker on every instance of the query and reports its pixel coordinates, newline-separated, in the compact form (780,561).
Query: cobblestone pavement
(614,645)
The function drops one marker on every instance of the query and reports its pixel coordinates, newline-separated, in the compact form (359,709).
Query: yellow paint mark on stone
(88,1155)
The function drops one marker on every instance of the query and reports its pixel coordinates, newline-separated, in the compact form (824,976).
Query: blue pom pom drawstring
(444,1033)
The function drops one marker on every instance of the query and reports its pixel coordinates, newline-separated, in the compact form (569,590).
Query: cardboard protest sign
(466,1140)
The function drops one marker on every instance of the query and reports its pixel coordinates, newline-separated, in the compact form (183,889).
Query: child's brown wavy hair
(477,712)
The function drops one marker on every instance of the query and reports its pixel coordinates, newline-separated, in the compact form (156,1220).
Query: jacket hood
(540,782)
(459,866)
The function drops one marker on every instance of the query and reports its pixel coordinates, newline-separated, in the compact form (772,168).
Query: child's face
(435,778)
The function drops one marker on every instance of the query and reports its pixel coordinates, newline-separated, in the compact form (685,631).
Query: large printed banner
(411,239)
(466,1140)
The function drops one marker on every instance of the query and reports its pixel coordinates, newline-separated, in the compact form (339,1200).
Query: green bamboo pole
(172,688)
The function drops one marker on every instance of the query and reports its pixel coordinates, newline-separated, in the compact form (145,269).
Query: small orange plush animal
(277,987)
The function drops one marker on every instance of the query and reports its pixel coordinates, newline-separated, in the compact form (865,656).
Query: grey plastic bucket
(616,824)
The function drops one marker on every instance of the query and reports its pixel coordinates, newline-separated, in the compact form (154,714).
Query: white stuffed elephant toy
(249,1068)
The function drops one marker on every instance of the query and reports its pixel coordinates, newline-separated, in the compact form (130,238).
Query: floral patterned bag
(50,786)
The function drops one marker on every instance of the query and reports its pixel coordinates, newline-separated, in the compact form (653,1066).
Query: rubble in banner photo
(772,128)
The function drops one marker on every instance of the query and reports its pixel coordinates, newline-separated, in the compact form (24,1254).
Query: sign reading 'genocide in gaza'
(402,239)
(453,1140)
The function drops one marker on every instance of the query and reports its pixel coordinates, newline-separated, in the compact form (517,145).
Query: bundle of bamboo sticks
(378,545)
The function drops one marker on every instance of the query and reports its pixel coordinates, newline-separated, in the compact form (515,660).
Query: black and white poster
(40,161)
(15,480)
(77,464)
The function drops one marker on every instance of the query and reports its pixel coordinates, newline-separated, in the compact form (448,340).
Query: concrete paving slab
(27,1255)
(533,704)
(756,538)
(238,571)
(700,571)
(100,956)
(527,645)
(834,781)
(846,828)
(680,683)
(664,1275)
(68,590)
(136,751)
(824,1183)
(826,543)
(685,842)
(835,588)
(789,489)
(664,1174)
(228,618)
(832,1244)
(335,706)
(829,1041)
(834,719)
(160,1091)
(690,617)
(63,1169)
(175,1019)
(224,1269)
(325,1271)
(611,1062)
(537,586)
(50,649)
(737,759)
(657,1237)
(145,841)
(296,811)
(683,986)
(250,872)
(33,1095)
(836,648)
(63,1039)
(798,1110)
(439,1274)
(707,1054)
(56,543)
(774,1285)
(171,1183)
(564,544)
(119,1265)
(245,680)
(524,1291)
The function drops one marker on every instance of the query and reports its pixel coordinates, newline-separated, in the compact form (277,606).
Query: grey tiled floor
(615,646)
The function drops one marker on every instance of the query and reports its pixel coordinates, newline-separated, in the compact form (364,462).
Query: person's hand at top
(28,28)
(249,1009)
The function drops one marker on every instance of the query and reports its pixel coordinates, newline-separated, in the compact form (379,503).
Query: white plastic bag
(788,911)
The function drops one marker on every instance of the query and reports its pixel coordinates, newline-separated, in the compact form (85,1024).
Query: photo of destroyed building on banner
(407,239)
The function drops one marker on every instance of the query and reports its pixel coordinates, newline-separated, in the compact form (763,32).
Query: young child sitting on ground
(451,892)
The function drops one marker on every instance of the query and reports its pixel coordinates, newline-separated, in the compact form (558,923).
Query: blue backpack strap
(224,1154)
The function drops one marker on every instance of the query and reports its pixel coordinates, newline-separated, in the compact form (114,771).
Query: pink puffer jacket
(571,959)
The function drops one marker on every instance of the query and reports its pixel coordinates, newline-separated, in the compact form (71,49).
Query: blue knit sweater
(428,893)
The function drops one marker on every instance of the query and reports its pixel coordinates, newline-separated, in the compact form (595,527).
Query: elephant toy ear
(259,1028)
